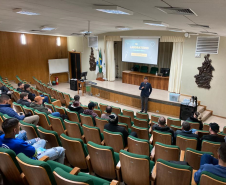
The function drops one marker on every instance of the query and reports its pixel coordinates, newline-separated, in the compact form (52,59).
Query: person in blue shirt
(146,90)
(213,165)
(11,128)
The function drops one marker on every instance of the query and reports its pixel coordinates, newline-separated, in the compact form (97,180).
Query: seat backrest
(210,146)
(92,134)
(57,124)
(194,125)
(172,121)
(142,115)
(201,133)
(61,110)
(206,127)
(125,119)
(73,116)
(142,133)
(36,172)
(173,173)
(18,107)
(139,146)
(67,99)
(209,178)
(100,123)
(1,121)
(30,129)
(10,167)
(186,142)
(114,140)
(61,97)
(98,112)
(162,137)
(73,129)
(116,110)
(175,128)
(75,151)
(87,119)
(136,169)
(128,113)
(50,136)
(193,157)
(154,118)
(166,152)
(50,106)
(28,110)
(103,107)
(141,122)
(43,120)
(102,160)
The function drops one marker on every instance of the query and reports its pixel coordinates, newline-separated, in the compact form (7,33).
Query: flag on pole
(103,64)
(100,62)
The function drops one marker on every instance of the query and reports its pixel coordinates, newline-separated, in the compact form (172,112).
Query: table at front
(135,78)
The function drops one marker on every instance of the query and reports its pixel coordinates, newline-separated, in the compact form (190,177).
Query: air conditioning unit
(208,45)
(93,41)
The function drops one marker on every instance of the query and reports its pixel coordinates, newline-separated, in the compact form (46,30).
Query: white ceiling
(70,16)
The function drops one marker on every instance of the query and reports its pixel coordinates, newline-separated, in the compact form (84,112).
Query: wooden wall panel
(30,59)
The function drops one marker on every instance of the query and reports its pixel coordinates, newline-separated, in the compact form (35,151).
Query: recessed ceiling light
(24,12)
(122,28)
(155,23)
(112,9)
(175,30)
(85,32)
(48,28)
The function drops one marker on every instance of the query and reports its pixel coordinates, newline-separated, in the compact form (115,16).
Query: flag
(100,62)
(97,67)
(103,64)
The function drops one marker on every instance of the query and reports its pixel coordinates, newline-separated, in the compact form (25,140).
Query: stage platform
(127,94)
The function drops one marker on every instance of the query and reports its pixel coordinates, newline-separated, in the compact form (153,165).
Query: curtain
(110,62)
(113,38)
(176,67)
(171,39)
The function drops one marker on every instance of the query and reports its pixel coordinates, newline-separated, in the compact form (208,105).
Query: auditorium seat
(98,112)
(162,137)
(144,69)
(116,110)
(31,130)
(78,178)
(29,110)
(114,140)
(175,128)
(194,125)
(50,106)
(193,157)
(154,70)
(103,107)
(87,119)
(73,116)
(61,98)
(10,167)
(142,133)
(84,107)
(202,133)
(16,94)
(104,161)
(74,129)
(5,116)
(57,124)
(172,121)
(125,119)
(166,152)
(18,108)
(171,174)
(208,178)
(61,110)
(186,142)
(206,127)
(210,146)
(136,169)
(141,122)
(92,134)
(50,136)
(43,120)
(125,126)
(154,118)
(76,151)
(136,67)
(139,146)
(67,98)
(128,113)
(224,130)
(142,115)
(1,121)
(100,123)
(221,134)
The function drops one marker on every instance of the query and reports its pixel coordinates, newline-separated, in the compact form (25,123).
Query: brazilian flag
(100,62)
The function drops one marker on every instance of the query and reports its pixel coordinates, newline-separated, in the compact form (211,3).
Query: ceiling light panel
(175,30)
(24,12)
(122,28)
(113,10)
(155,23)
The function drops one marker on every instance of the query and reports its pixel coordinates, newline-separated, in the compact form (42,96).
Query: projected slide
(140,50)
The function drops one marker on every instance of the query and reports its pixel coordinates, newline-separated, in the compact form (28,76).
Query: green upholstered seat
(144,69)
(76,123)
(43,119)
(72,114)
(28,108)
(125,126)
(141,122)
(61,108)
(88,116)
(59,118)
(94,128)
(142,115)
(154,70)
(50,105)
(5,116)
(23,125)
(142,133)
(125,119)
(18,107)
(136,67)
(211,178)
(162,137)
(116,110)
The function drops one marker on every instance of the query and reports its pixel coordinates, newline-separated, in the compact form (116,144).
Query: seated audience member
(90,111)
(76,105)
(38,105)
(108,113)
(37,150)
(113,126)
(5,108)
(20,87)
(24,99)
(196,117)
(32,96)
(213,165)
(5,90)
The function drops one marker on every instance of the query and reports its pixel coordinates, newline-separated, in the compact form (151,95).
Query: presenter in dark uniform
(146,90)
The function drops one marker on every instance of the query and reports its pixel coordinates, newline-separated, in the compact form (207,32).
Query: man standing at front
(146,90)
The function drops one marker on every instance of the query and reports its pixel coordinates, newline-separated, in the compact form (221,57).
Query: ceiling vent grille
(176,10)
(199,26)
(207,45)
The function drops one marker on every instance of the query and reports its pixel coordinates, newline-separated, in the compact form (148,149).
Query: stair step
(201,109)
(206,114)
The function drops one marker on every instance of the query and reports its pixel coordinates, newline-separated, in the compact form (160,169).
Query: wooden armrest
(151,139)
(118,166)
(114,182)
(152,154)
(182,153)
(44,158)
(65,132)
(126,148)
(153,173)
(102,142)
(83,136)
(57,103)
(24,180)
(75,171)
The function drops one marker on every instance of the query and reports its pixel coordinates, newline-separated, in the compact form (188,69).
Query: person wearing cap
(5,108)
(38,105)
(76,105)
(113,126)
(90,111)
(32,96)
